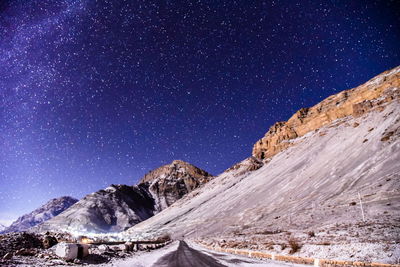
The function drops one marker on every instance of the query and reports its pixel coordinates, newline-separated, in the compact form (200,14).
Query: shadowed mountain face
(52,208)
(119,207)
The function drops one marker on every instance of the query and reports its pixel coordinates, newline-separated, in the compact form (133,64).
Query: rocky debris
(21,243)
(171,182)
(26,247)
(42,214)
(29,249)
(354,102)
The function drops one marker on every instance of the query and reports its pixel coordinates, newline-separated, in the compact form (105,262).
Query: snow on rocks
(47,211)
(68,251)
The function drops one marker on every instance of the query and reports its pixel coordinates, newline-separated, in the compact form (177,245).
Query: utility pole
(361,205)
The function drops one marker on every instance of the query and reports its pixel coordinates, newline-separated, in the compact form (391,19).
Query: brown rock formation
(353,102)
(171,182)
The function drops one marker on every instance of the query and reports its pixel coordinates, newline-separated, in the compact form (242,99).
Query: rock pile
(20,243)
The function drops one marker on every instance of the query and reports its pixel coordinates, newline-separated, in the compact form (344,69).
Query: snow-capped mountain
(2,227)
(119,207)
(42,214)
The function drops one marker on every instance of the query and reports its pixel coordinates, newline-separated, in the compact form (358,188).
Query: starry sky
(100,92)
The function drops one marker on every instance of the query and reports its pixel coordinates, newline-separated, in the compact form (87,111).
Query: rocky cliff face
(354,102)
(171,182)
(49,210)
(119,207)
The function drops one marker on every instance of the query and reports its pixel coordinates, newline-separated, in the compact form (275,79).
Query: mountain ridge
(355,102)
(45,212)
(118,207)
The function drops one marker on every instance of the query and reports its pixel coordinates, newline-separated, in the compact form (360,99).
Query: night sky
(100,92)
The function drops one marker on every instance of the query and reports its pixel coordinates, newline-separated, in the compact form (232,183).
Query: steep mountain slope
(42,214)
(309,182)
(119,207)
(2,227)
(354,102)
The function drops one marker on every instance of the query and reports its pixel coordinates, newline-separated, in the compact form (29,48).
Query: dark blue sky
(101,92)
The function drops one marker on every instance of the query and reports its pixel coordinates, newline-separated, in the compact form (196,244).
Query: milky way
(100,92)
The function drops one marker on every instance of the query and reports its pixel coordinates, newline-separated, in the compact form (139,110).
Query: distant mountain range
(52,208)
(119,207)
(2,227)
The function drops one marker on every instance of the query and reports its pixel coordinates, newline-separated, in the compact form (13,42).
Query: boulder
(67,251)
(70,251)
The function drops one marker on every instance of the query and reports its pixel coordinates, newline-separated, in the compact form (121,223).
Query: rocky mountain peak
(171,182)
(354,102)
(176,169)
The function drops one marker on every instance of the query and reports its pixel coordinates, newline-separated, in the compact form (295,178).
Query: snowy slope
(110,210)
(42,214)
(2,227)
(321,175)
(310,186)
